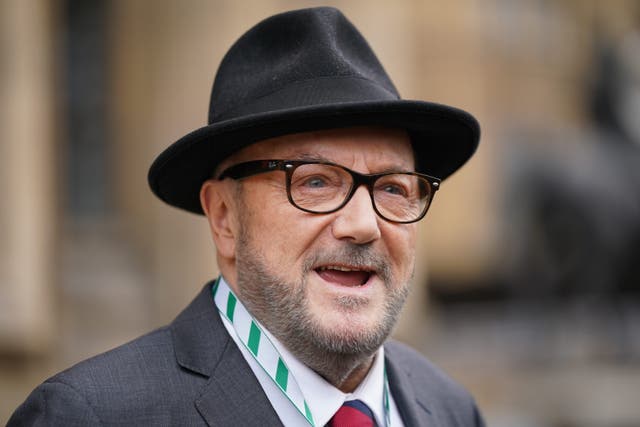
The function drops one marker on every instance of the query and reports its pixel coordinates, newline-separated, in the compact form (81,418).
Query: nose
(357,221)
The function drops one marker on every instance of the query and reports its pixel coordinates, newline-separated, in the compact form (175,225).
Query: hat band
(312,92)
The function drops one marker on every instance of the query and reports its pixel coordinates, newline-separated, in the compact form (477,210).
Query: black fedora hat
(298,71)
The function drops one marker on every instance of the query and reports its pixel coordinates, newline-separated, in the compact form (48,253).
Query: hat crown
(297,59)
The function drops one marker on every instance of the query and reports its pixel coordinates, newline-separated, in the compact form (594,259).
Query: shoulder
(121,383)
(136,362)
(55,403)
(433,390)
(152,380)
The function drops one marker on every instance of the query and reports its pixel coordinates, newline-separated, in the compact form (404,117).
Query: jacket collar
(232,396)
(413,410)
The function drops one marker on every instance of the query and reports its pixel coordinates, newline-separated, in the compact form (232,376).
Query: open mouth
(345,276)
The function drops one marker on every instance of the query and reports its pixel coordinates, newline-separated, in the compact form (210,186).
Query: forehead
(376,147)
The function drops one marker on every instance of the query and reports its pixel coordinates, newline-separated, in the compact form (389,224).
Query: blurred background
(528,282)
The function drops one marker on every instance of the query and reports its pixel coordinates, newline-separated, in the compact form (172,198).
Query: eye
(318,177)
(393,189)
(315,182)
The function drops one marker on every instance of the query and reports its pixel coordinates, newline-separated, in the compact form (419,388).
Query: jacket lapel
(413,410)
(232,395)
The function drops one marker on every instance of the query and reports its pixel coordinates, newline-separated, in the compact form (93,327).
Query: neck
(343,371)
(351,382)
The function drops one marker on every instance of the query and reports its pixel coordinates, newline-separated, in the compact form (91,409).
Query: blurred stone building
(526,289)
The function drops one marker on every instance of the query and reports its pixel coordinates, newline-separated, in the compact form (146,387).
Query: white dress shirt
(322,398)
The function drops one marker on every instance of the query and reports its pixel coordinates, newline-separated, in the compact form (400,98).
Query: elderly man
(312,174)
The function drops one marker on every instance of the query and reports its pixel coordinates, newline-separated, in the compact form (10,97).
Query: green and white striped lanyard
(266,354)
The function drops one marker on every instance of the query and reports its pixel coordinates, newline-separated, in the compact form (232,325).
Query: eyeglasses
(322,187)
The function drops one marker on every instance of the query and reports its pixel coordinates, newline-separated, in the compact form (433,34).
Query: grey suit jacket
(191,373)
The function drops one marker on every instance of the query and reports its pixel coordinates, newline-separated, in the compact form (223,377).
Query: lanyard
(266,354)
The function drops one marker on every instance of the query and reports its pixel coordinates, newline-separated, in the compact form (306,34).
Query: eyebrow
(308,157)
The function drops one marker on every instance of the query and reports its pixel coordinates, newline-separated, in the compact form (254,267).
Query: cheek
(280,232)
(401,243)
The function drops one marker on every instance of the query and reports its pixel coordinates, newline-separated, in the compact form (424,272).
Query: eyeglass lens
(323,188)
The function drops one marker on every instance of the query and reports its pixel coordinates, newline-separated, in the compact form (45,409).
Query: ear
(217,204)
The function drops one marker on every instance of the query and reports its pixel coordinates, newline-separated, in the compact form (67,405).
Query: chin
(350,332)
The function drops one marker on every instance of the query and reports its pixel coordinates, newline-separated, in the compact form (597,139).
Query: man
(312,174)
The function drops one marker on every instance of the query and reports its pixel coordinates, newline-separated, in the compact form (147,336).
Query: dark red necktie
(353,413)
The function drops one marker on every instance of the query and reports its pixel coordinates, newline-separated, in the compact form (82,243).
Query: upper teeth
(337,267)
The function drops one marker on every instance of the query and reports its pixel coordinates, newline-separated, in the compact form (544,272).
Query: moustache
(357,257)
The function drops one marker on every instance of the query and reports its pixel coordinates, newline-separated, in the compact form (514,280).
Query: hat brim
(443,139)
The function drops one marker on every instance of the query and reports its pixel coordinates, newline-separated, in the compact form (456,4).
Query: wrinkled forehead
(374,147)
